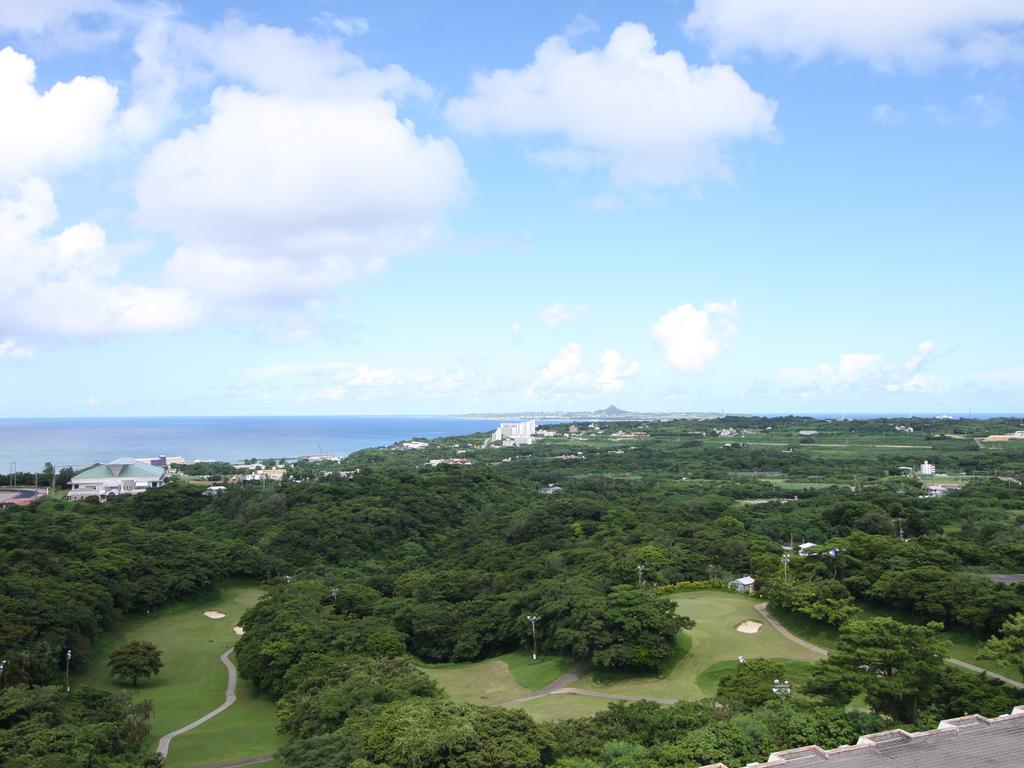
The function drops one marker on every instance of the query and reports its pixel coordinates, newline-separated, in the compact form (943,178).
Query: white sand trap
(213,614)
(749,627)
(238,630)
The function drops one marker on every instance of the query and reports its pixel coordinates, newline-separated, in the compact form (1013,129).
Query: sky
(752,206)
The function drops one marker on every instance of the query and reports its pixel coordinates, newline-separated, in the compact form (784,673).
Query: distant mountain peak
(612,410)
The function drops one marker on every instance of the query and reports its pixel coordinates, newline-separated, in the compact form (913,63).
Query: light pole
(533,626)
(781,689)
(67,671)
(3,666)
(785,567)
(640,574)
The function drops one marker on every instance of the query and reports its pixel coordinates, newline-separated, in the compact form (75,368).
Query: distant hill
(611,413)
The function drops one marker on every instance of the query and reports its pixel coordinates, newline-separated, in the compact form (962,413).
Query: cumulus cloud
(556,314)
(614,371)
(864,372)
(563,370)
(55,130)
(652,119)
(692,338)
(912,33)
(66,285)
(11,348)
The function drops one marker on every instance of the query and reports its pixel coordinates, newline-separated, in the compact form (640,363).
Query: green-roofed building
(116,478)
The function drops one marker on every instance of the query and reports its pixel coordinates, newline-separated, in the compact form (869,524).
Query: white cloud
(862,372)
(556,314)
(10,348)
(614,371)
(913,33)
(563,370)
(59,129)
(692,338)
(350,26)
(886,114)
(287,196)
(651,118)
(65,284)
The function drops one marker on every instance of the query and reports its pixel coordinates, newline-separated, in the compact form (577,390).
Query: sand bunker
(213,614)
(749,627)
(238,630)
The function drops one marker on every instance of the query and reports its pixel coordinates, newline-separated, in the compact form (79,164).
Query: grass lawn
(499,679)
(193,680)
(714,639)
(564,706)
(963,644)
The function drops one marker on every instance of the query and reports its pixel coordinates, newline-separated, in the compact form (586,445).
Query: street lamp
(785,567)
(67,671)
(533,625)
(3,666)
(640,574)
(781,689)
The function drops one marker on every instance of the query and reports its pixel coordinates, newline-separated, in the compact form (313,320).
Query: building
(927,468)
(805,549)
(962,742)
(116,478)
(515,433)
(743,584)
(807,432)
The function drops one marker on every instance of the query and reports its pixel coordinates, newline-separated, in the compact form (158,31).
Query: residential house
(116,478)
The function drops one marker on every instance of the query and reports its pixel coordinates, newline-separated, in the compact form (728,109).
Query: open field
(714,640)
(963,645)
(564,706)
(193,680)
(500,679)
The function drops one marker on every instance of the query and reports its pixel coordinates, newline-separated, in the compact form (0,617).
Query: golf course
(727,627)
(193,680)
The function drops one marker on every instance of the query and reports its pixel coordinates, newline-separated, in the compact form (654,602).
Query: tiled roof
(963,742)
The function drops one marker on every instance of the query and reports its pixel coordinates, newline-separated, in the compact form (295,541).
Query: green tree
(750,685)
(134,660)
(1008,645)
(898,666)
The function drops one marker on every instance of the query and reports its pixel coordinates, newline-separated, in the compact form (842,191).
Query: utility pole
(3,666)
(67,671)
(900,521)
(533,619)
(640,574)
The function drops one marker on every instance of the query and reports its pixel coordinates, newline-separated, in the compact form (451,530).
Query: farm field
(193,680)
(715,639)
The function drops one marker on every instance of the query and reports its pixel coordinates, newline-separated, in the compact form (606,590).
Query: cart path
(229,699)
(762,608)
(565,679)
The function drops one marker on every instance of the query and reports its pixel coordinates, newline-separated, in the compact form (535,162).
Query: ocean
(30,443)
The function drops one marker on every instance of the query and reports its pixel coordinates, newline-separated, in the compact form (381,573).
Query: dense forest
(370,572)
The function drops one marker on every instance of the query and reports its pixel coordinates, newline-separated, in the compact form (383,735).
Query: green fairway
(796,672)
(500,679)
(564,706)
(714,639)
(193,680)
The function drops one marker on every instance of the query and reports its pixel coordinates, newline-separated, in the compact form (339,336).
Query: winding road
(229,699)
(762,608)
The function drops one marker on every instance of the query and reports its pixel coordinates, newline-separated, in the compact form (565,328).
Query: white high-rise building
(927,468)
(515,433)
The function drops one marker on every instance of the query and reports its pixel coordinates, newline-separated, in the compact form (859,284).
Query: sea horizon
(28,443)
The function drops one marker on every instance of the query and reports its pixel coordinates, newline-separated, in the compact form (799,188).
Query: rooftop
(963,742)
(120,468)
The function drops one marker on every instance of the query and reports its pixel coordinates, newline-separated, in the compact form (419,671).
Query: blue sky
(359,208)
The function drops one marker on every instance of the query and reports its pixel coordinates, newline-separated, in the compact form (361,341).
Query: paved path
(229,699)
(762,608)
